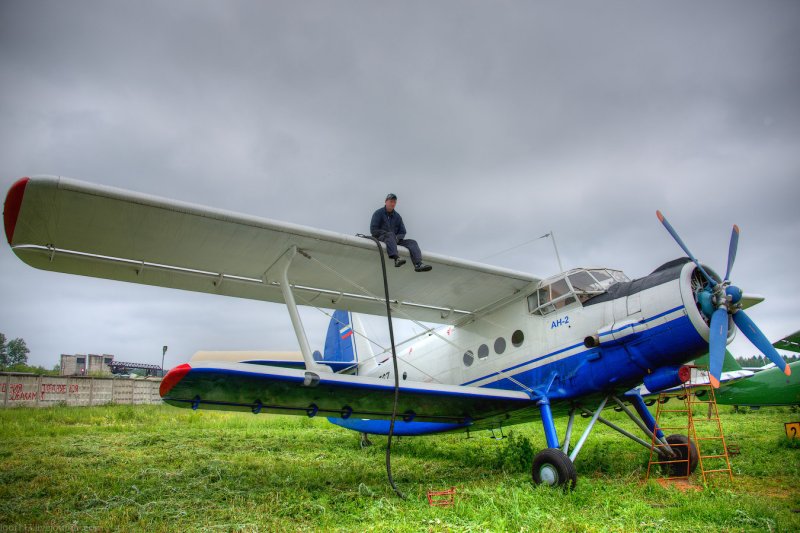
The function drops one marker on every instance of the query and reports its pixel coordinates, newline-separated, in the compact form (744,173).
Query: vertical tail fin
(346,342)
(729,364)
(340,339)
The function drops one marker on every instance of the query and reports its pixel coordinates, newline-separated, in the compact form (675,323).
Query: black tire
(680,447)
(552,467)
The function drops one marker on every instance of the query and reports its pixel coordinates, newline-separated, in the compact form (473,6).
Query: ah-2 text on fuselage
(513,347)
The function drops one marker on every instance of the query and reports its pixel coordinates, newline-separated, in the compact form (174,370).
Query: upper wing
(70,226)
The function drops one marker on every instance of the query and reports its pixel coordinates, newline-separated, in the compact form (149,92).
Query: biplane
(508,348)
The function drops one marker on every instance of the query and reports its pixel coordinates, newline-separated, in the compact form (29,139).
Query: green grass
(157,468)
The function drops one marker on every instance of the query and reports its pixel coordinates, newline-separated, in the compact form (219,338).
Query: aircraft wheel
(679,469)
(552,467)
(649,403)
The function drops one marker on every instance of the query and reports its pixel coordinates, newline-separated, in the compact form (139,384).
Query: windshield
(583,284)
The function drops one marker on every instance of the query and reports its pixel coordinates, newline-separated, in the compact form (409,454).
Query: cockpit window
(558,288)
(619,276)
(556,292)
(553,295)
(583,281)
(601,275)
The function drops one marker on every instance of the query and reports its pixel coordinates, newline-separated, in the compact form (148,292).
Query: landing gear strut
(553,467)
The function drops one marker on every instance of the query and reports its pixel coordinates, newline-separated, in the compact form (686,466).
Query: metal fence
(44,391)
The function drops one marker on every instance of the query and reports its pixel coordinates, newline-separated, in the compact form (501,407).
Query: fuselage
(574,342)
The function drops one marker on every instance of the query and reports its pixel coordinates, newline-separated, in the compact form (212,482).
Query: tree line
(760,360)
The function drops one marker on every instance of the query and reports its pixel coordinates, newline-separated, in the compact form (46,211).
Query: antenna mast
(558,257)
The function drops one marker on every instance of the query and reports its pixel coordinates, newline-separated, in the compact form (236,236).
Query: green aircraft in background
(767,386)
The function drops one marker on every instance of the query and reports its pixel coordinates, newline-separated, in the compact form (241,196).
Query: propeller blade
(717,341)
(675,236)
(732,250)
(755,336)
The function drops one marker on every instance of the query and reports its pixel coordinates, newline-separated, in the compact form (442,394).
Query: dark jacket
(383,222)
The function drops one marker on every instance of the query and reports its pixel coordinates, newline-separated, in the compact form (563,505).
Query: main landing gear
(553,467)
(683,446)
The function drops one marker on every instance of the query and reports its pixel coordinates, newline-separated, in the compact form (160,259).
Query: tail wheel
(683,446)
(552,467)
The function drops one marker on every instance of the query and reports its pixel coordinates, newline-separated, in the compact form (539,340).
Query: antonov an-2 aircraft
(513,347)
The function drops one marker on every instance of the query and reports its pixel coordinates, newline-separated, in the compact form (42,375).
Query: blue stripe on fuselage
(562,350)
(685,341)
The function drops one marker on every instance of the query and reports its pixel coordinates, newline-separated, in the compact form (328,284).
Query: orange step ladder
(704,431)
(707,433)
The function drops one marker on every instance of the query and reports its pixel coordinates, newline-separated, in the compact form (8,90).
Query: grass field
(158,468)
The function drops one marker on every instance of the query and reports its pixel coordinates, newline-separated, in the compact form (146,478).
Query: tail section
(346,343)
(340,340)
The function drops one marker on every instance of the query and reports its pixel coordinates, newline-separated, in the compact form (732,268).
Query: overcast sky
(494,122)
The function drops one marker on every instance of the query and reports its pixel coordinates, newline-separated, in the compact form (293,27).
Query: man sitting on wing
(387,226)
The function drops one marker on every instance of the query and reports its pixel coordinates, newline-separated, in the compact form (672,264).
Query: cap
(391,196)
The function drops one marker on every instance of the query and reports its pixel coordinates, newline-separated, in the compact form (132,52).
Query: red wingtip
(787,371)
(172,378)
(12,206)
(714,381)
(660,216)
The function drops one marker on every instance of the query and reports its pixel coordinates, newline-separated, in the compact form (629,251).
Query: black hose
(394,362)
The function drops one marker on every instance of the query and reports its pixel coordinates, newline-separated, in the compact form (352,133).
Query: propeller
(717,301)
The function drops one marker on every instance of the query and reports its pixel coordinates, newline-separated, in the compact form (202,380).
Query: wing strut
(282,267)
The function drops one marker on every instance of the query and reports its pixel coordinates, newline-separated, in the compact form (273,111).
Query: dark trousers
(391,247)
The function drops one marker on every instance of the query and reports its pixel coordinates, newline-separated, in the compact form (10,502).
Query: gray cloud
(494,123)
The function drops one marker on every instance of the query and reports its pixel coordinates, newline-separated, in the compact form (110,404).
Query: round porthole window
(483,351)
(517,338)
(499,345)
(469,358)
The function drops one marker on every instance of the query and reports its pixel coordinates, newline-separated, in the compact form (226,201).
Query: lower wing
(260,388)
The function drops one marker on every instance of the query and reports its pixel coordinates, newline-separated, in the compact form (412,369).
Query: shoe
(422,267)
(399,262)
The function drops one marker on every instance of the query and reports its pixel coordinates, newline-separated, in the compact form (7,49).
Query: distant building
(83,365)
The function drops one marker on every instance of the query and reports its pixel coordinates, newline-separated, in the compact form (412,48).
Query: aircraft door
(627,306)
(620,309)
(634,304)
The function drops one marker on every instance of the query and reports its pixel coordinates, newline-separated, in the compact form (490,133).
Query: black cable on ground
(394,362)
